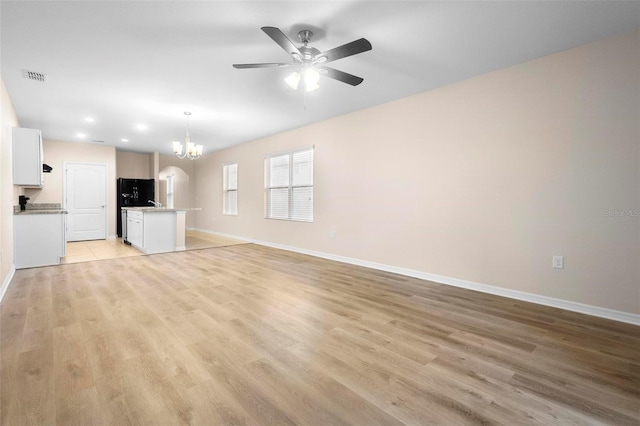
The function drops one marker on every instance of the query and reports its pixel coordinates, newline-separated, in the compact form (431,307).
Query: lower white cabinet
(152,231)
(135,229)
(38,239)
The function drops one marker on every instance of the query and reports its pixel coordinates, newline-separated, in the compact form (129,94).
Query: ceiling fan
(310,61)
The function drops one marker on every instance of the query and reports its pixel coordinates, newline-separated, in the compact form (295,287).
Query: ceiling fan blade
(349,49)
(282,40)
(341,76)
(263,65)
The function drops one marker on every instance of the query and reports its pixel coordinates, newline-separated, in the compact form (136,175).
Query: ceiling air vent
(34,75)
(97,141)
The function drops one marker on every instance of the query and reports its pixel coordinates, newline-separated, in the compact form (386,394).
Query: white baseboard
(221,234)
(111,237)
(7,281)
(484,288)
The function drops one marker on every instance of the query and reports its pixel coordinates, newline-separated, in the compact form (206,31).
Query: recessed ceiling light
(142,127)
(89,120)
(81,135)
(124,140)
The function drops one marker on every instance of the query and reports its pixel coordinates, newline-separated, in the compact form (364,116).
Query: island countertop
(160,209)
(154,209)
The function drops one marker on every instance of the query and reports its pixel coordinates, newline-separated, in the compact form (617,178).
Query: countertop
(157,209)
(39,208)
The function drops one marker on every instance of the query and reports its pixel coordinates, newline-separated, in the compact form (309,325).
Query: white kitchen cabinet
(159,232)
(152,230)
(135,229)
(27,157)
(39,239)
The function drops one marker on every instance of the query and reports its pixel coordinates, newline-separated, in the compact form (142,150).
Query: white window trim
(170,191)
(290,187)
(225,190)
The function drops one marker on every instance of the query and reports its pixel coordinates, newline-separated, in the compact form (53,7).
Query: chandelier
(191,150)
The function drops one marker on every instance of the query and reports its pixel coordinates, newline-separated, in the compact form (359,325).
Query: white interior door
(86,201)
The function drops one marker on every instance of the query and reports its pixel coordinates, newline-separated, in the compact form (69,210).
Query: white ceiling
(146,62)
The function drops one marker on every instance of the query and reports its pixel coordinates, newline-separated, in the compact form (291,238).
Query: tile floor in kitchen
(87,251)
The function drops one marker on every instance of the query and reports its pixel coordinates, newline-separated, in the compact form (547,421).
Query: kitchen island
(154,229)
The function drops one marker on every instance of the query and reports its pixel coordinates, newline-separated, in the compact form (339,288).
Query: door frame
(107,205)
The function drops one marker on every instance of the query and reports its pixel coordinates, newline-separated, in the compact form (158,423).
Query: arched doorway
(174,190)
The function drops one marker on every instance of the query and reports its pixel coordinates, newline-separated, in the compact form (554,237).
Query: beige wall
(133,165)
(484,180)
(8,193)
(56,153)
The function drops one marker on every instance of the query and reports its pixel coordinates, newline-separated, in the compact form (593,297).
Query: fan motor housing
(308,53)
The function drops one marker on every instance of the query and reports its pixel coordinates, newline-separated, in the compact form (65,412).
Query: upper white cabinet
(27,157)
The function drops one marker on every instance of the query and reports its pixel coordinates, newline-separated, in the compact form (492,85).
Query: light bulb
(293,80)
(311,78)
(177,148)
(191,148)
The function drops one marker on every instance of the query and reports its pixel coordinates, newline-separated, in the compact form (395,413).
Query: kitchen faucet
(155,203)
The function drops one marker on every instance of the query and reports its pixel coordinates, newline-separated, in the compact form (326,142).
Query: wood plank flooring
(88,251)
(252,335)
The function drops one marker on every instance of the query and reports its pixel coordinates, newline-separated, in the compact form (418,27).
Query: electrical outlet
(558,262)
(332,234)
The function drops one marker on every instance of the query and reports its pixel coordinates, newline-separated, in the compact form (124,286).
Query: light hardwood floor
(88,251)
(252,335)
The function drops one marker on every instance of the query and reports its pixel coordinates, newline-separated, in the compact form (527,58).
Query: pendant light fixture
(191,150)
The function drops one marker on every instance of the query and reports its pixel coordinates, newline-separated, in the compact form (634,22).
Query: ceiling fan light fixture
(306,57)
(309,77)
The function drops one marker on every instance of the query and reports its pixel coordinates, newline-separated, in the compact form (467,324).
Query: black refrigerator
(134,193)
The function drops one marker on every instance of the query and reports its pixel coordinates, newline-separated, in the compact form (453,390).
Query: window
(230,189)
(289,186)
(170,191)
